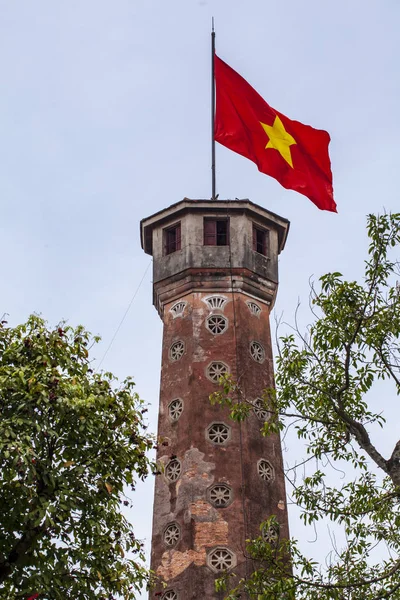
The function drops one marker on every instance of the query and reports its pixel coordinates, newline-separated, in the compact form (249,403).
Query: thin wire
(124,317)
(243,486)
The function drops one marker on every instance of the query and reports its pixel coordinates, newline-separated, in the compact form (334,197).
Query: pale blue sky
(105,119)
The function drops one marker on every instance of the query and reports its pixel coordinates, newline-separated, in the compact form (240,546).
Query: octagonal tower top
(214,245)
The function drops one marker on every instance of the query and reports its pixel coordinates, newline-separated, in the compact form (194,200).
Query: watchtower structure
(215,279)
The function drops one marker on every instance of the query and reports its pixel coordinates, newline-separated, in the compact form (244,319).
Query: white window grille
(216,302)
(216,370)
(177,309)
(270,535)
(259,409)
(175,409)
(177,350)
(220,495)
(254,308)
(173,470)
(218,433)
(221,559)
(170,595)
(217,324)
(257,352)
(171,534)
(265,470)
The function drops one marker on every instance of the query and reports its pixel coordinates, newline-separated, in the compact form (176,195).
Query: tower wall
(218,479)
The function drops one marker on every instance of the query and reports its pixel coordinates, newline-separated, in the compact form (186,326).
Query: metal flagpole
(212,111)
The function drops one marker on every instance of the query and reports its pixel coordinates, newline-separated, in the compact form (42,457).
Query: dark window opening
(172,238)
(260,240)
(216,232)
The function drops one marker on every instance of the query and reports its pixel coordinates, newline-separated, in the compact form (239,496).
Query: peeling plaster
(208,525)
(174,563)
(199,354)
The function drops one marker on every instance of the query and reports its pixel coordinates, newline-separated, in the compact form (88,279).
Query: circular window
(270,535)
(176,351)
(171,534)
(216,370)
(217,324)
(220,495)
(170,595)
(218,433)
(257,352)
(175,409)
(265,470)
(259,409)
(221,559)
(173,470)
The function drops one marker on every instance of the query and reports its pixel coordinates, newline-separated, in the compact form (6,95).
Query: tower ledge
(188,258)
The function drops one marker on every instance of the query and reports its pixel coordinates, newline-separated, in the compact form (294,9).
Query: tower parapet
(215,279)
(196,243)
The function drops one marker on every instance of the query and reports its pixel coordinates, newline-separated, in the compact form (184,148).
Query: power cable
(124,316)
(238,375)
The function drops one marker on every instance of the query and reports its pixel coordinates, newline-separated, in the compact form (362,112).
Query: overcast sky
(105,119)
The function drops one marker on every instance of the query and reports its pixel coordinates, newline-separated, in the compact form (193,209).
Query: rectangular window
(260,240)
(172,239)
(216,232)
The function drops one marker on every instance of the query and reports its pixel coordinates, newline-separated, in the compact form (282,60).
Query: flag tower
(215,279)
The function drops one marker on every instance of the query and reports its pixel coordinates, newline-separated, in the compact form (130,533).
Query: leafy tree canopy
(325,380)
(70,441)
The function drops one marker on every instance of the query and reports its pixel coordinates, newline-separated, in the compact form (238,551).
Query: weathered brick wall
(186,502)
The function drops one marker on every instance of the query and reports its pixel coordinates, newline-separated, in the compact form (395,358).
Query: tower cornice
(213,281)
(186,205)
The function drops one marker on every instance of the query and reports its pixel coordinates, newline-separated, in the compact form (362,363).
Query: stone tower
(215,280)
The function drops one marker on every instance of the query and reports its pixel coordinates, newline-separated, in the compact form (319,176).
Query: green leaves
(324,379)
(70,441)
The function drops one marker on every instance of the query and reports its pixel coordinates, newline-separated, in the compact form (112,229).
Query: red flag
(294,154)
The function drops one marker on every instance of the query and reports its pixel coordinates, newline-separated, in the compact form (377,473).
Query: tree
(325,380)
(70,441)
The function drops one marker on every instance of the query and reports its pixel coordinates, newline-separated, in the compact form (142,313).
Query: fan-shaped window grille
(221,559)
(216,370)
(171,534)
(254,308)
(257,352)
(270,535)
(169,595)
(260,411)
(175,409)
(177,309)
(265,470)
(218,433)
(177,350)
(217,324)
(216,302)
(220,495)
(173,470)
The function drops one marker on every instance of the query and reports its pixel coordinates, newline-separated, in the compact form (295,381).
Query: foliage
(324,380)
(70,440)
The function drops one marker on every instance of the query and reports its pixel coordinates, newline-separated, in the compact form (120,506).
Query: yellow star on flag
(279,139)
